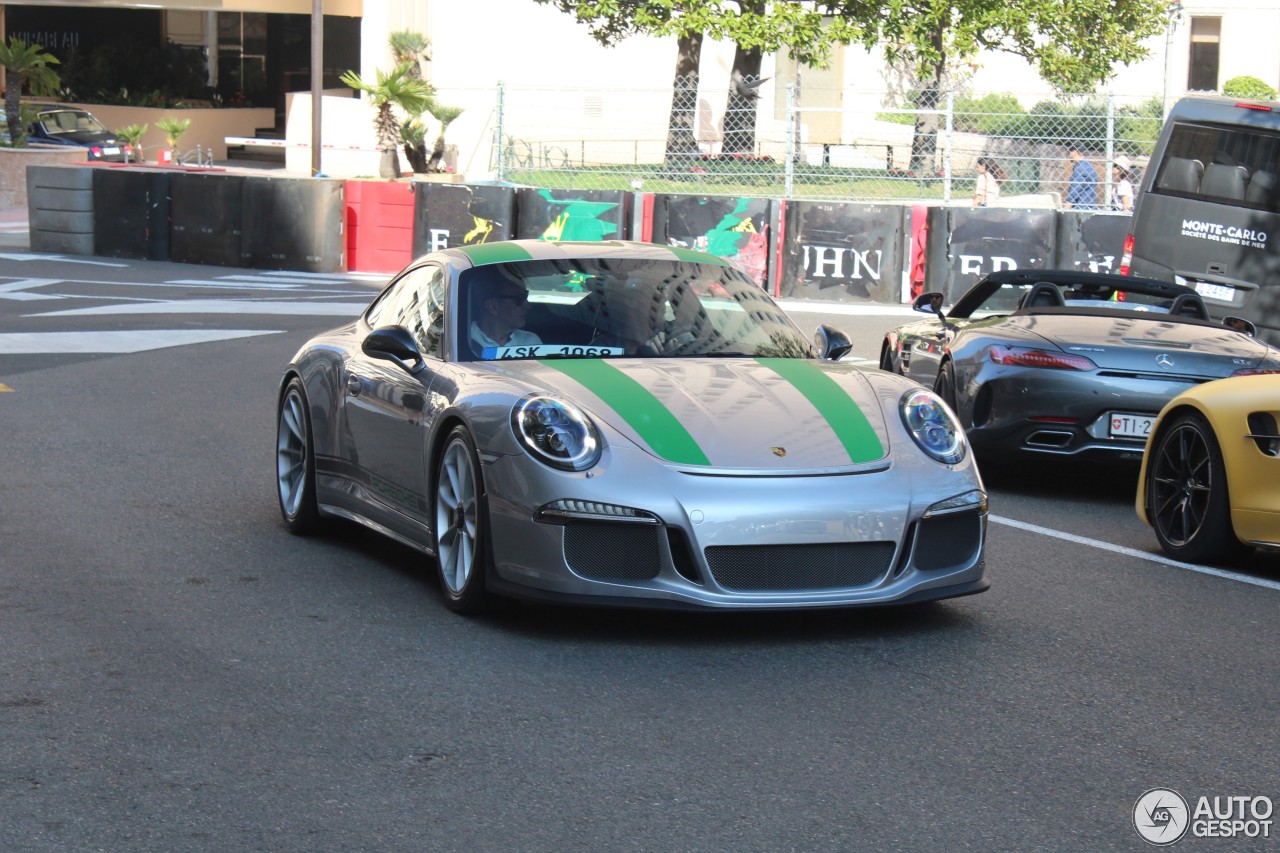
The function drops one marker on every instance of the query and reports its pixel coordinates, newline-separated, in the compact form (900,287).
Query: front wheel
(461,528)
(295,461)
(1186,491)
(945,386)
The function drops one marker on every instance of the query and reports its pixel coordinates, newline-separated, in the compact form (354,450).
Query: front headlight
(556,432)
(933,426)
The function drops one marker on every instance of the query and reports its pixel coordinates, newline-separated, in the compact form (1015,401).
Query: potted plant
(131,136)
(399,88)
(173,128)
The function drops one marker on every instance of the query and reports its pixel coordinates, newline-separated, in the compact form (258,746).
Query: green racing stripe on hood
(837,408)
(494,253)
(654,423)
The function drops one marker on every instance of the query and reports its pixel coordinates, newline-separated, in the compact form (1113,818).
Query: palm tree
(400,89)
(444,115)
(25,64)
(410,48)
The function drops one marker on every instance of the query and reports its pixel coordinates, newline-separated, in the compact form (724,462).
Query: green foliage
(988,115)
(127,71)
(445,115)
(1138,128)
(410,48)
(763,25)
(1245,86)
(397,89)
(173,128)
(25,65)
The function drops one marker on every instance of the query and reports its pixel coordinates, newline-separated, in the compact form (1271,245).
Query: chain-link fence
(825,145)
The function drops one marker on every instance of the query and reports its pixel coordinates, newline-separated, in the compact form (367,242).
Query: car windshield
(70,121)
(1011,296)
(611,308)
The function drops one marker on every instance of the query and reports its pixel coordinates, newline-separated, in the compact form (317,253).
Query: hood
(1148,346)
(89,138)
(765,414)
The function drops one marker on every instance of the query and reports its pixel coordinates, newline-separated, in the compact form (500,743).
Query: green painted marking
(841,413)
(696,257)
(655,424)
(494,253)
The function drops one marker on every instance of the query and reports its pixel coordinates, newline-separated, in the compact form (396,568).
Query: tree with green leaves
(756,27)
(1074,46)
(397,89)
(25,65)
(412,49)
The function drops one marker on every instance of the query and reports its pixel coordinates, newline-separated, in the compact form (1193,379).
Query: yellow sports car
(1210,481)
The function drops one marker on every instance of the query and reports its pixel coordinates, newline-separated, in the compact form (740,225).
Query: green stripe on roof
(696,257)
(654,423)
(835,405)
(494,253)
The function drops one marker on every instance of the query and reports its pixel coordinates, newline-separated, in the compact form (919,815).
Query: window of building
(1206,39)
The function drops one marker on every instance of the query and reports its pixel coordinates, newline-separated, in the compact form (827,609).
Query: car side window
(416,302)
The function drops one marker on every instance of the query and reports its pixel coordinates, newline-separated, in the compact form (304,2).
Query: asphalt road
(179,673)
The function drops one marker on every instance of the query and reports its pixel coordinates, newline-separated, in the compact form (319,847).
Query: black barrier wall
(1092,242)
(589,215)
(447,215)
(206,219)
(966,243)
(733,228)
(131,209)
(293,224)
(844,252)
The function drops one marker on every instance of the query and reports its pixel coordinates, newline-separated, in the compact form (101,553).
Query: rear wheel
(1186,492)
(295,461)
(462,535)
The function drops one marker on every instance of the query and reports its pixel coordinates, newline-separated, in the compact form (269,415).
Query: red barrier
(379,225)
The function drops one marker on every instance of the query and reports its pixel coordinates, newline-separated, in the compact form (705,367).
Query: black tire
(886,359)
(296,461)
(461,525)
(945,386)
(1186,493)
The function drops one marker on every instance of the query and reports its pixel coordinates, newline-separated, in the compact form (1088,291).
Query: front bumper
(736,542)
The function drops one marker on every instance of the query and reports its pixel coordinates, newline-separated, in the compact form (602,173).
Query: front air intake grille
(839,565)
(613,552)
(949,540)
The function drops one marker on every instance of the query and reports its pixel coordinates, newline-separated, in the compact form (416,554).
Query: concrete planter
(14,163)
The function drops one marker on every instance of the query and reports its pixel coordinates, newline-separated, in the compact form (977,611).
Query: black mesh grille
(948,540)
(795,567)
(613,552)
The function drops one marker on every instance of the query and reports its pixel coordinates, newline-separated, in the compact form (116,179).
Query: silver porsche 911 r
(625,424)
(1068,364)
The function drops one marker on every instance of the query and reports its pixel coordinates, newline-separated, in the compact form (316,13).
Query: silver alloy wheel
(291,452)
(457,516)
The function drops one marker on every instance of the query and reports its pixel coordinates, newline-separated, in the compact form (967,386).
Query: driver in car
(503,308)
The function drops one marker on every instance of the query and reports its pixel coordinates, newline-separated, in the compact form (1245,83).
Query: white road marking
(1133,552)
(64,259)
(142,340)
(17,290)
(217,306)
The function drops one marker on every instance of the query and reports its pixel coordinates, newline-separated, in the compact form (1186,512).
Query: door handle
(354,385)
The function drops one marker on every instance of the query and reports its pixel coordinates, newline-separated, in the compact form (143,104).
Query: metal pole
(317,81)
(499,133)
(791,141)
(1111,147)
(946,155)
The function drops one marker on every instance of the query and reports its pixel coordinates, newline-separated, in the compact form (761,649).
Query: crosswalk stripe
(140,340)
(219,306)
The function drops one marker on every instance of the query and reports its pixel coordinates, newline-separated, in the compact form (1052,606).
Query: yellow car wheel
(1187,494)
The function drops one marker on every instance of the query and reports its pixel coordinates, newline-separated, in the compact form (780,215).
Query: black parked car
(56,124)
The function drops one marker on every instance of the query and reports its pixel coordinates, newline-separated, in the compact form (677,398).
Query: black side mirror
(1241,325)
(928,303)
(832,343)
(395,344)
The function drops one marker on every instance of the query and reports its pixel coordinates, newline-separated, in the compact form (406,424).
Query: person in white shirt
(986,190)
(502,312)
(1122,184)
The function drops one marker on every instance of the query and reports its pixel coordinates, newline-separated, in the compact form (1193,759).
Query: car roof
(509,251)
